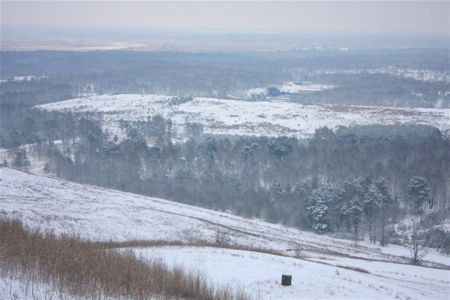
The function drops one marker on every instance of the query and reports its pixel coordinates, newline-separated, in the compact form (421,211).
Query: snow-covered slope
(237,117)
(323,272)
(104,214)
(259,274)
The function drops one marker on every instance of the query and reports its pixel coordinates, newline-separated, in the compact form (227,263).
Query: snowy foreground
(237,117)
(324,271)
(259,274)
(21,288)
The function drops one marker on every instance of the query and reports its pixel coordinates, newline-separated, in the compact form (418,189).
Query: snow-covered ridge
(239,117)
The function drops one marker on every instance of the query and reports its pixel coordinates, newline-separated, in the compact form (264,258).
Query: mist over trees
(230,74)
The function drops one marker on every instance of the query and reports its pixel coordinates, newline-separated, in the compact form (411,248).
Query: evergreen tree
(318,209)
(419,193)
(372,204)
(352,210)
(20,159)
(352,207)
(29,130)
(385,204)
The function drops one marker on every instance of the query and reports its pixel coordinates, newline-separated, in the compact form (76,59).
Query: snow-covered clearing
(35,156)
(290,88)
(238,117)
(37,162)
(295,88)
(26,78)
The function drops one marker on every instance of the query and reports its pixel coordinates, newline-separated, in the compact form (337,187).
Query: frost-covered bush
(435,218)
(439,239)
(393,237)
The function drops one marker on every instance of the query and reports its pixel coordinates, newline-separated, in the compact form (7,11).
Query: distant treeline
(226,74)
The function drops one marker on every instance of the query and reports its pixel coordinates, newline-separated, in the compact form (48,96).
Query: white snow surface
(17,287)
(295,88)
(288,88)
(108,215)
(259,275)
(25,78)
(239,117)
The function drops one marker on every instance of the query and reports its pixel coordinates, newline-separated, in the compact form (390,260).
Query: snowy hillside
(259,274)
(104,214)
(238,117)
(323,272)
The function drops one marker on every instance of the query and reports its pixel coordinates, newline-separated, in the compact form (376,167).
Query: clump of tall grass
(85,269)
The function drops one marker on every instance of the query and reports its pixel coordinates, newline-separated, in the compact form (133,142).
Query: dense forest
(353,181)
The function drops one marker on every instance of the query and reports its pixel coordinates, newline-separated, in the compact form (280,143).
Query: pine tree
(352,210)
(318,209)
(385,203)
(352,206)
(20,160)
(372,204)
(419,193)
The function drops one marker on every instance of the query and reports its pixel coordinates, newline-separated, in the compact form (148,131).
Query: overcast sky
(425,17)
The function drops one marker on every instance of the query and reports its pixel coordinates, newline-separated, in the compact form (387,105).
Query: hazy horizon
(391,18)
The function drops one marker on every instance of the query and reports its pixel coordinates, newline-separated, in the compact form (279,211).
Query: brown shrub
(94,270)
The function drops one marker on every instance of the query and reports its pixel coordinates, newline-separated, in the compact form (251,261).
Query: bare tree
(417,247)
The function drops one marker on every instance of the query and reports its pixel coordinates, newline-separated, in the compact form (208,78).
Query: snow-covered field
(238,117)
(259,275)
(409,73)
(295,88)
(26,78)
(323,272)
(290,88)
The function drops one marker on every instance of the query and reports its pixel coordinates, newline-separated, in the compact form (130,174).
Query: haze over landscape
(225,150)
(218,23)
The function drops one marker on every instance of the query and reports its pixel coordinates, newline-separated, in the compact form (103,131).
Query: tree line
(352,181)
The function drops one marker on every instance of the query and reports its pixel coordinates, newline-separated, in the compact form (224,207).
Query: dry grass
(95,271)
(360,270)
(191,243)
